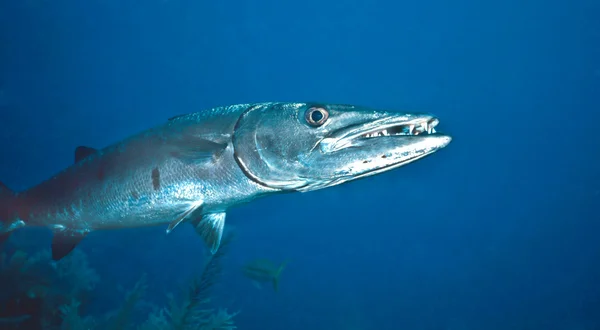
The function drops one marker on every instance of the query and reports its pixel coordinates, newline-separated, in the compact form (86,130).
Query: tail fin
(6,200)
(276,277)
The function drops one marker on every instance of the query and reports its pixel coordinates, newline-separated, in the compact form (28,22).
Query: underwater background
(500,230)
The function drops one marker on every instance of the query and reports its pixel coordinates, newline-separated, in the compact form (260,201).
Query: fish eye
(316,116)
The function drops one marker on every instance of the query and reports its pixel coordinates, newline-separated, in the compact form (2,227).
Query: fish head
(304,146)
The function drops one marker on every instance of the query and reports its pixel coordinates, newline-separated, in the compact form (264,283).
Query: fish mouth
(413,128)
(401,128)
(376,143)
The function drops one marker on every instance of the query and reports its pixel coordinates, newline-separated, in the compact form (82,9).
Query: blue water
(497,231)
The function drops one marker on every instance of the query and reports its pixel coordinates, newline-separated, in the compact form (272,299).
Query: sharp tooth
(429,128)
(411,129)
(432,130)
(385,132)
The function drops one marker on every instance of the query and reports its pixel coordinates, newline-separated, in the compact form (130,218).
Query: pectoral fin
(210,228)
(194,149)
(183,216)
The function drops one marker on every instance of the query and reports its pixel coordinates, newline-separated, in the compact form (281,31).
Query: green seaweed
(35,285)
(75,271)
(158,320)
(197,314)
(71,320)
(63,288)
(194,312)
(123,317)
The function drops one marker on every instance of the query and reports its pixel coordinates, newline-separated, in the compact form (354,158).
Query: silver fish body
(195,167)
(148,179)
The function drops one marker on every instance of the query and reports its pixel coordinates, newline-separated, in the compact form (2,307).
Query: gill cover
(267,140)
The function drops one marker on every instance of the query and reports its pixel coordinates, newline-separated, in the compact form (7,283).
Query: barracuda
(195,167)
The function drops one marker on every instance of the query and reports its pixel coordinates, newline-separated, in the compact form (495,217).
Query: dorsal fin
(82,152)
(178,116)
(4,190)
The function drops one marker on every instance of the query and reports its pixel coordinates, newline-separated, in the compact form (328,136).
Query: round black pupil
(316,116)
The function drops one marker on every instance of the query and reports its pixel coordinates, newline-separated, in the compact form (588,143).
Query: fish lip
(443,141)
(391,126)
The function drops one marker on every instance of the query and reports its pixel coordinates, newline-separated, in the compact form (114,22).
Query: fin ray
(182,217)
(210,228)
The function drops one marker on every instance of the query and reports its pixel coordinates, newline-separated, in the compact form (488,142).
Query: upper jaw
(393,125)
